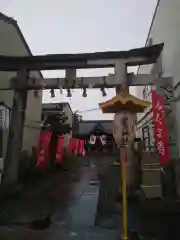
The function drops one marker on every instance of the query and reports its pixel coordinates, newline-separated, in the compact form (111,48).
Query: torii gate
(120,60)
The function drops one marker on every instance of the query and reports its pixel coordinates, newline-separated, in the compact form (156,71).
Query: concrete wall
(11,44)
(165,28)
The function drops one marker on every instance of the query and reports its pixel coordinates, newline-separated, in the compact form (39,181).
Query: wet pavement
(66,205)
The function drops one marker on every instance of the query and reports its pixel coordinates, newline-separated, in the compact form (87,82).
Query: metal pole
(124,195)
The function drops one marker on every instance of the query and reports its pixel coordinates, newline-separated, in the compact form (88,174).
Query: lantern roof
(124,102)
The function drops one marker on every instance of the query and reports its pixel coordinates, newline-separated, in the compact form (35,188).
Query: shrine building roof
(88,127)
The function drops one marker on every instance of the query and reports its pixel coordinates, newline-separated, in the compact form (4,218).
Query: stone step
(153,191)
(150,157)
(151,166)
(151,177)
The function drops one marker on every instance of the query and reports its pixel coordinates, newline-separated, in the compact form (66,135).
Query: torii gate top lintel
(139,56)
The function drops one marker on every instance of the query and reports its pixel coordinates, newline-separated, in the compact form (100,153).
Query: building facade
(164,29)
(98,135)
(14,44)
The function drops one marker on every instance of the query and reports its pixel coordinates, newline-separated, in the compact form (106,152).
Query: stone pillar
(15,139)
(70,76)
(118,135)
(121,78)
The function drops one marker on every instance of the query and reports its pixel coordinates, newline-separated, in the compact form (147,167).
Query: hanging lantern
(52,93)
(103,139)
(61,90)
(84,92)
(69,92)
(103,91)
(92,139)
(84,89)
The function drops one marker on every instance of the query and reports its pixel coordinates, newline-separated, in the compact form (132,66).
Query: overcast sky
(77,26)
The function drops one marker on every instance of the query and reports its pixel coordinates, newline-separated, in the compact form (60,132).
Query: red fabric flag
(59,149)
(71,145)
(81,147)
(76,147)
(84,153)
(43,148)
(160,130)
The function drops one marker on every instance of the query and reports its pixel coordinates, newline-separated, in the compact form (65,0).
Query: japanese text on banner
(160,130)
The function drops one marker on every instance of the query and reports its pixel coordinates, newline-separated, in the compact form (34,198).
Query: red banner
(81,147)
(71,145)
(59,149)
(160,130)
(43,148)
(76,147)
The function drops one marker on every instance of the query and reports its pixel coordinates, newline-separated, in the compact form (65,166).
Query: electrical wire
(88,110)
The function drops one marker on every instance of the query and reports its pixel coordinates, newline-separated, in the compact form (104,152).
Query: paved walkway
(71,204)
